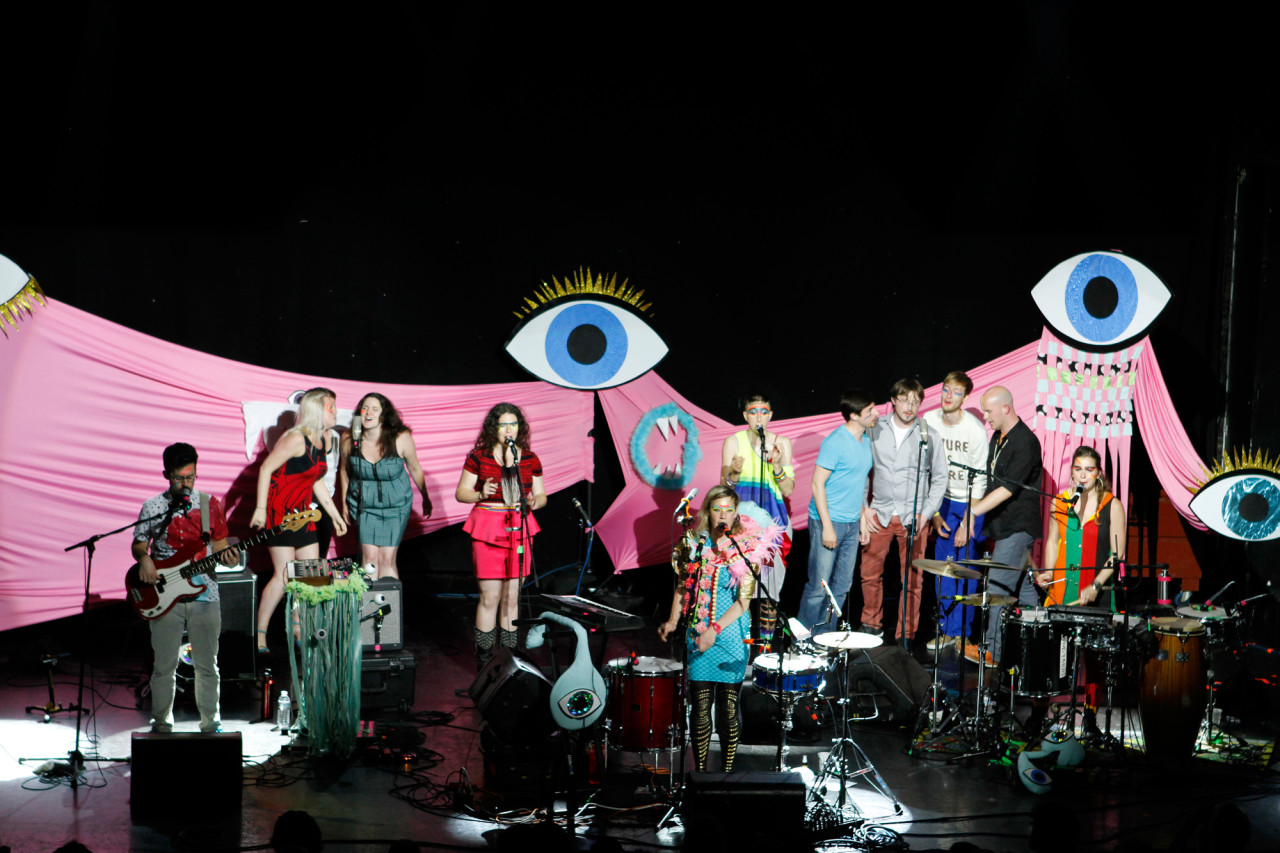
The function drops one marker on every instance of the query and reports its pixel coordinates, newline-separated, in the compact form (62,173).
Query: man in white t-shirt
(965,439)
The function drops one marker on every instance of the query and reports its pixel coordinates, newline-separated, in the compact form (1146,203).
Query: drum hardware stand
(983,728)
(938,712)
(847,762)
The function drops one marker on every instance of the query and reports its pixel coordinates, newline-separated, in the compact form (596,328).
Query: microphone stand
(786,702)
(679,738)
(907,568)
(75,756)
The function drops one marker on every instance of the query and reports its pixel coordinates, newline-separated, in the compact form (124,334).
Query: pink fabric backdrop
(1066,396)
(89,405)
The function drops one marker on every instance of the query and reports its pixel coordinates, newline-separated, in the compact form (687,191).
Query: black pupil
(1254,508)
(587,344)
(1101,297)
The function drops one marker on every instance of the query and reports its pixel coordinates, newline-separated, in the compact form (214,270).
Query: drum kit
(1166,652)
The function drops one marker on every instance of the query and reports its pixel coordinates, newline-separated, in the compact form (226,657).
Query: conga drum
(1172,700)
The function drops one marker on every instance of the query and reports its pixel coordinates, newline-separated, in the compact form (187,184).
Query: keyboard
(592,614)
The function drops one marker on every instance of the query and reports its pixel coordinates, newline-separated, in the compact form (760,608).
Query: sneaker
(939,642)
(971,654)
(872,630)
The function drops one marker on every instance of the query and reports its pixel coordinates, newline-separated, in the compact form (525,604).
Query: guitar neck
(202,566)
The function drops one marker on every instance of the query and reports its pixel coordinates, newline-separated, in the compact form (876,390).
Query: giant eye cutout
(1241,504)
(1100,298)
(586,344)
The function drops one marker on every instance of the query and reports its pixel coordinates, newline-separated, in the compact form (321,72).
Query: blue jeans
(1013,550)
(833,565)
(956,619)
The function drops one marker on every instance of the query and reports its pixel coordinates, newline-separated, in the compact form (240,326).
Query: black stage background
(366,193)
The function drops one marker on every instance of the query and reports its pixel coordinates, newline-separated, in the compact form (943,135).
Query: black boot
(507,639)
(484,646)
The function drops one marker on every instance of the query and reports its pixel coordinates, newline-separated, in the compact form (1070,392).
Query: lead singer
(714,594)
(502,476)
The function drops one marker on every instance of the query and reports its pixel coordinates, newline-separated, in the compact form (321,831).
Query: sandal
(263,650)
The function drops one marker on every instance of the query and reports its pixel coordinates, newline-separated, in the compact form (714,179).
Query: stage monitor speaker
(185,776)
(514,698)
(755,811)
(886,679)
(382,616)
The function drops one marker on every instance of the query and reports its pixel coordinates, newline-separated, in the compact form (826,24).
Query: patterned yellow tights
(725,697)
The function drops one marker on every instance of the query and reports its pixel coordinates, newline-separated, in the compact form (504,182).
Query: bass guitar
(151,601)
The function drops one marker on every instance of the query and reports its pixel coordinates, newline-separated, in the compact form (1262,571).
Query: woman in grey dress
(379,459)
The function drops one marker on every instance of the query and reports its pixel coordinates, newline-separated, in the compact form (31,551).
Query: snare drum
(798,674)
(1173,689)
(1125,630)
(1039,652)
(1221,630)
(642,702)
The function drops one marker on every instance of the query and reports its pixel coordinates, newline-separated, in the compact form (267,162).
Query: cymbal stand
(982,728)
(847,762)
(938,712)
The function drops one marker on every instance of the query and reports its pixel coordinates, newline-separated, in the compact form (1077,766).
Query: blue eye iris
(1252,508)
(1100,298)
(1241,504)
(586,344)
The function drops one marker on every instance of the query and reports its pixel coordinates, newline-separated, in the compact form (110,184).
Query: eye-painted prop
(1241,499)
(585,333)
(17,291)
(1100,299)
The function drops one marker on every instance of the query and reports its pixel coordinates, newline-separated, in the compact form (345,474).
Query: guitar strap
(204,518)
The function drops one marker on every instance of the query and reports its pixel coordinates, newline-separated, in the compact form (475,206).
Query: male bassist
(188,521)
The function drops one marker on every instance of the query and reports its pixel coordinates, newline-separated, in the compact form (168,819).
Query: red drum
(642,702)
(1173,689)
(1040,653)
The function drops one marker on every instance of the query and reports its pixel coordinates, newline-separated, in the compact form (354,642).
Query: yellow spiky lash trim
(11,310)
(583,284)
(1256,460)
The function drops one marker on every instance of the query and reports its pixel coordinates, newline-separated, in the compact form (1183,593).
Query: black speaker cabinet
(382,616)
(386,682)
(237,648)
(185,776)
(514,698)
(756,811)
(886,679)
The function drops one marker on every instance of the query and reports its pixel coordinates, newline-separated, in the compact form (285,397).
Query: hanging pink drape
(90,405)
(1067,396)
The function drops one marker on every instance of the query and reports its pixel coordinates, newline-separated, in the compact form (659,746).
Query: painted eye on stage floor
(1241,504)
(1100,298)
(586,344)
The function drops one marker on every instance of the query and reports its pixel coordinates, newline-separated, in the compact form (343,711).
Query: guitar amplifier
(238,646)
(382,616)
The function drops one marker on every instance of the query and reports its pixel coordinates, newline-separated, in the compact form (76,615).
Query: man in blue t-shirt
(835,511)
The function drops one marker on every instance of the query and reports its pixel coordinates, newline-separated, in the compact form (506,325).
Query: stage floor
(925,793)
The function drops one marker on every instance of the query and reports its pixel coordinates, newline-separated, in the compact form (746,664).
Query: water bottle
(284,711)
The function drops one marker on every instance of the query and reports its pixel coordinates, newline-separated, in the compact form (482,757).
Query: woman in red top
(290,479)
(503,478)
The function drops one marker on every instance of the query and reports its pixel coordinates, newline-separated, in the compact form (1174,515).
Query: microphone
(760,432)
(586,519)
(1245,601)
(721,528)
(184,499)
(1075,499)
(832,599)
(684,502)
(924,434)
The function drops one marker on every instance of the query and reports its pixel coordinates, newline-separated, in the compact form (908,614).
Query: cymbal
(839,641)
(946,569)
(986,564)
(992,600)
